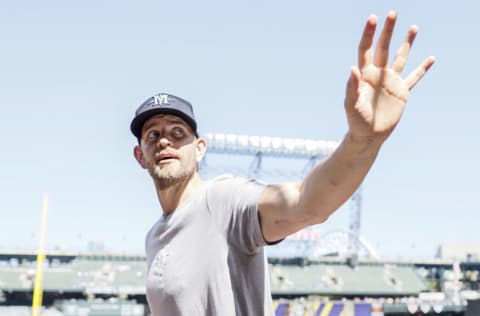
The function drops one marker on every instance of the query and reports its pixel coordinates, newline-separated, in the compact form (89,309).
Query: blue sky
(73,73)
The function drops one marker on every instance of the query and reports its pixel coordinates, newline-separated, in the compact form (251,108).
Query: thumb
(352,86)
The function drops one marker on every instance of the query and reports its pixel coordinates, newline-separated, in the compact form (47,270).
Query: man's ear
(137,152)
(200,149)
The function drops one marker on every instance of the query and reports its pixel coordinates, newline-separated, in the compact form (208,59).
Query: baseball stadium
(335,273)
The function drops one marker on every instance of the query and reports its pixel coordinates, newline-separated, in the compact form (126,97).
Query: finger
(381,53)
(352,86)
(400,59)
(419,72)
(365,54)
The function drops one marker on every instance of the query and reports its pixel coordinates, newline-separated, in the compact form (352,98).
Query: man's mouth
(164,158)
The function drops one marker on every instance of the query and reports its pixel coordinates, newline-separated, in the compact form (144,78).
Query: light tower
(355,216)
(259,147)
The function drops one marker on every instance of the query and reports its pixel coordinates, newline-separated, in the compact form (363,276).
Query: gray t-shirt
(207,257)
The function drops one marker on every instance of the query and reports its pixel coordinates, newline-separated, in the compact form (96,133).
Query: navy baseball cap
(163,103)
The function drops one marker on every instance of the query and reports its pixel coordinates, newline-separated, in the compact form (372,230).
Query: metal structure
(355,216)
(260,147)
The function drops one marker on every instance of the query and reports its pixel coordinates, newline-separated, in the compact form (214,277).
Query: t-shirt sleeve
(233,203)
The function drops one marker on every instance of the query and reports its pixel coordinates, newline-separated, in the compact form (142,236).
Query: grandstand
(114,284)
(334,278)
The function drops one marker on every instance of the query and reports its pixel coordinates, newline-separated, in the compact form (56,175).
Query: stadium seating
(363,309)
(15,311)
(367,279)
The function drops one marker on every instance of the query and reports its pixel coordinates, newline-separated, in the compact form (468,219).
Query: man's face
(169,150)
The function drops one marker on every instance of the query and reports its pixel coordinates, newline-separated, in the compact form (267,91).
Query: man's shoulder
(152,229)
(233,191)
(223,177)
(229,178)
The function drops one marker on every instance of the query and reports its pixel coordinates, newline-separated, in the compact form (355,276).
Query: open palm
(376,94)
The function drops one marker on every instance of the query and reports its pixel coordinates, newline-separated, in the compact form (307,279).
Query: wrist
(364,143)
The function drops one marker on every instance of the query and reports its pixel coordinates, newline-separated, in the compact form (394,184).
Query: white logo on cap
(161,99)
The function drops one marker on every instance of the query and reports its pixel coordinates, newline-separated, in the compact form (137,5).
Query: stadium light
(271,146)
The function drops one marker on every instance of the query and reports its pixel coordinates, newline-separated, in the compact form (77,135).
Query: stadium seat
(320,309)
(282,309)
(336,309)
(362,309)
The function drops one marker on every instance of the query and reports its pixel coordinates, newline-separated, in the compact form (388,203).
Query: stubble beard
(168,176)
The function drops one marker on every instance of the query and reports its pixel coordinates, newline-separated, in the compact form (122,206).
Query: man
(205,253)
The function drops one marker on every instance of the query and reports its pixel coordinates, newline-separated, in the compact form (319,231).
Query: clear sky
(73,73)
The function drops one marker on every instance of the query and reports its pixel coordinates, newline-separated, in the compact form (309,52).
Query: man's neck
(172,197)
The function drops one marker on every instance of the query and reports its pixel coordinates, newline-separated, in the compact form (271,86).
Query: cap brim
(137,123)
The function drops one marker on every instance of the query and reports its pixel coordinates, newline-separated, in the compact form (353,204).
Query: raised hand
(376,93)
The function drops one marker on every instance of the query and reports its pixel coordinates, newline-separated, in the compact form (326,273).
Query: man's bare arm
(375,99)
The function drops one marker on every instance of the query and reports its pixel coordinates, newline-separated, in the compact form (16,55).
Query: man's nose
(163,142)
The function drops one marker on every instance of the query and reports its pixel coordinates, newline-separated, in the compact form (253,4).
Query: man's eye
(178,132)
(153,135)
